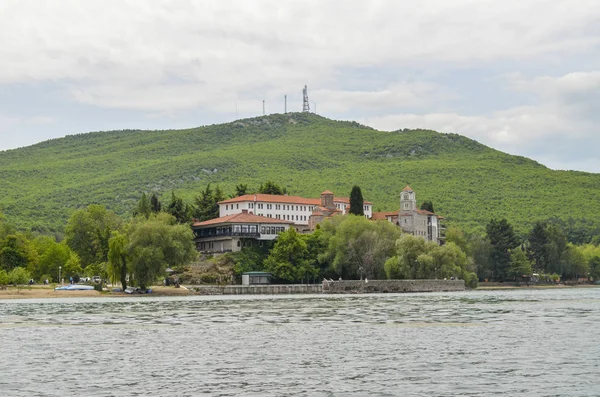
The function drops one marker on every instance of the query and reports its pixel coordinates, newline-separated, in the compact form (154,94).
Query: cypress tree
(155,204)
(356,201)
(427,206)
(143,207)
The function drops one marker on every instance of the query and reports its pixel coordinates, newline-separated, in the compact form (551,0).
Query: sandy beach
(40,292)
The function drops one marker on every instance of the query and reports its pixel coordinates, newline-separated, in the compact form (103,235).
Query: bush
(209,278)
(471,280)
(3,277)
(98,287)
(19,276)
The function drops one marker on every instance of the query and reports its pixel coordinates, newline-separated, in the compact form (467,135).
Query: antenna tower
(305,105)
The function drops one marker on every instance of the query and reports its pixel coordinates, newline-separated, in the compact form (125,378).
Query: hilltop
(468,182)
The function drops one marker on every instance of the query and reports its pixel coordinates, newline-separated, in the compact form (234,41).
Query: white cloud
(547,131)
(126,54)
(371,59)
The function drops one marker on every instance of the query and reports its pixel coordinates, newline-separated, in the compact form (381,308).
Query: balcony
(229,233)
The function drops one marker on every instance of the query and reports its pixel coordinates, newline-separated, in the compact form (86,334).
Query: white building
(289,208)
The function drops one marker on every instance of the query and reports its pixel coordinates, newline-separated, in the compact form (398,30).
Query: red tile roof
(407,189)
(273,198)
(241,218)
(424,212)
(327,192)
(383,215)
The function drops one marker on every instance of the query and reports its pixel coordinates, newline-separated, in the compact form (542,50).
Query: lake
(535,342)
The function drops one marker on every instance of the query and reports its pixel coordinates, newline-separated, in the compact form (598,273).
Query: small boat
(74,287)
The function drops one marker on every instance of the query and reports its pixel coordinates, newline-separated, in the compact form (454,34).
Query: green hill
(468,182)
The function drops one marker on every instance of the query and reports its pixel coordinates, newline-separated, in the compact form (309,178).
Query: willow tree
(155,243)
(117,258)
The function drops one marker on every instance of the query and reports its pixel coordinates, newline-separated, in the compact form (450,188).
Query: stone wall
(391,286)
(258,289)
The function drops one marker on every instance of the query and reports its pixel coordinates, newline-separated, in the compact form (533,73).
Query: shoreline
(42,292)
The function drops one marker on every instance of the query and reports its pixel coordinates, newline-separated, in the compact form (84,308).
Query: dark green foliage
(143,207)
(356,201)
(594,264)
(12,253)
(155,204)
(206,204)
(180,211)
(469,182)
(272,188)
(250,258)
(538,239)
(502,239)
(240,190)
(555,249)
(427,206)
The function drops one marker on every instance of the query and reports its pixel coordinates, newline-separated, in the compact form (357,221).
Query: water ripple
(521,342)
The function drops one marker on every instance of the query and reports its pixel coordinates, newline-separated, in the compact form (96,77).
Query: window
(226,207)
(237,206)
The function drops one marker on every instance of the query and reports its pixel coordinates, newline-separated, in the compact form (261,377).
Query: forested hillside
(468,183)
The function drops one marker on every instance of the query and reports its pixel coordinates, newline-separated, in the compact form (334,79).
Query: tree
(357,203)
(416,258)
(53,255)
(4,279)
(574,263)
(404,264)
(156,243)
(19,276)
(178,209)
(356,246)
(520,265)
(240,190)
(272,188)
(594,265)
(555,249)
(143,207)
(117,258)
(456,236)
(88,231)
(14,253)
(155,204)
(207,206)
(538,239)
(427,206)
(502,239)
(481,251)
(288,258)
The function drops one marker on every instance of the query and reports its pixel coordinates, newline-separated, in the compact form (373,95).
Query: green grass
(468,183)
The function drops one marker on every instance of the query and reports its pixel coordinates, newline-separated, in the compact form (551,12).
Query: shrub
(209,278)
(3,277)
(471,280)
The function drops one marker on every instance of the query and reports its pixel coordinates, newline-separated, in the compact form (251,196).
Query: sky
(521,76)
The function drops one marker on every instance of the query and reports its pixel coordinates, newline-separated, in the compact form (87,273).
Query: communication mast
(305,105)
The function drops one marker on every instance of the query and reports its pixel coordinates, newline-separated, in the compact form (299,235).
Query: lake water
(479,343)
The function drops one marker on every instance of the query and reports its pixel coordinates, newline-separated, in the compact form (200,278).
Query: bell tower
(408,200)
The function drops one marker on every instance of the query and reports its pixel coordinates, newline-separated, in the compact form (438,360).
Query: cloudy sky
(522,76)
